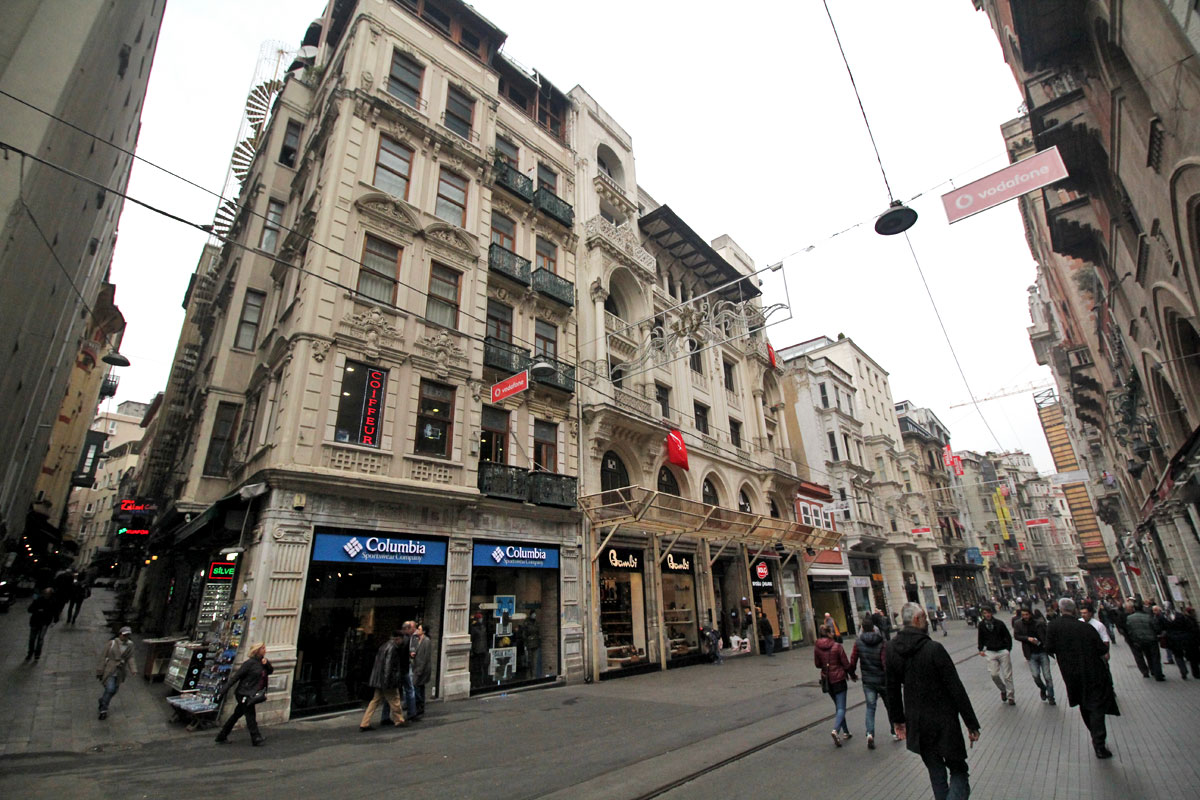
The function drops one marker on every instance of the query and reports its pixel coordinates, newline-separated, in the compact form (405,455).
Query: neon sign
(133,505)
(372,414)
(221,570)
(134,531)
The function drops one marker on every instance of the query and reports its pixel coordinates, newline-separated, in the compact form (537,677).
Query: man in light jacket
(421,651)
(116,664)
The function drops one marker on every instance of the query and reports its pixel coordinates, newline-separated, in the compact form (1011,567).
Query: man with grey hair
(925,698)
(1080,653)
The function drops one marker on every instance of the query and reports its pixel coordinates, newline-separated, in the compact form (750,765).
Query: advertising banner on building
(366,548)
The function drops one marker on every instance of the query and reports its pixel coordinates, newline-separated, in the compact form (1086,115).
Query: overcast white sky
(744,123)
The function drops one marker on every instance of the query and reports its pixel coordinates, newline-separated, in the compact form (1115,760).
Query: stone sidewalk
(50,705)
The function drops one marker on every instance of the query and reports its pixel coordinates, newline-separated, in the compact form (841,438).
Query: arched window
(610,305)
(774,510)
(708,493)
(613,474)
(667,483)
(744,503)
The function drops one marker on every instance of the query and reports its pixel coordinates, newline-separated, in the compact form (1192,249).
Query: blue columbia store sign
(515,555)
(364,548)
(974,556)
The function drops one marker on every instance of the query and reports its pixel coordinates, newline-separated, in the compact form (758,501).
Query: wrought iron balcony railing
(503,481)
(551,489)
(508,264)
(503,356)
(554,207)
(554,287)
(507,177)
(563,376)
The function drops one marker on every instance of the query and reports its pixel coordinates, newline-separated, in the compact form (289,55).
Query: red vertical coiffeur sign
(372,413)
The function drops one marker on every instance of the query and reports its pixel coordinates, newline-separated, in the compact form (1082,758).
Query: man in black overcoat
(925,699)
(1080,652)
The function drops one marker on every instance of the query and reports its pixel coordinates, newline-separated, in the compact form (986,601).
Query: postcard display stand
(199,669)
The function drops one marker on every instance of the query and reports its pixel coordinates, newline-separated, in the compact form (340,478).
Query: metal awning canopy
(664,227)
(661,513)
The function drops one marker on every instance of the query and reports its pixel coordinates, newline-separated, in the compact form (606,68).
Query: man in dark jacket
(41,616)
(420,650)
(1141,631)
(869,651)
(249,685)
(1031,633)
(1080,653)
(994,645)
(882,624)
(925,700)
(387,679)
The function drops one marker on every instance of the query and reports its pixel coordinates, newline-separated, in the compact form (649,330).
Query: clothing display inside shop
(349,611)
(514,626)
(679,610)
(623,618)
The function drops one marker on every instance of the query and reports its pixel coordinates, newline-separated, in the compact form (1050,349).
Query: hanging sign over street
(510,386)
(1013,181)
(1033,523)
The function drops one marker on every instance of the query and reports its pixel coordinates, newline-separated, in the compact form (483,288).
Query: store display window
(679,605)
(764,583)
(514,615)
(623,607)
(362,586)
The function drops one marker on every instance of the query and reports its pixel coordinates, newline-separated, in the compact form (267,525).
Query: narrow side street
(617,739)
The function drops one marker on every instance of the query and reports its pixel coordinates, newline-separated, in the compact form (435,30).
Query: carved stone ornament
(375,330)
(291,535)
(444,351)
(599,293)
(449,237)
(368,80)
(476,387)
(388,210)
(621,241)
(320,349)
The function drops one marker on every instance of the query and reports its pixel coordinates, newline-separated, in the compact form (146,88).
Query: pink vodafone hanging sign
(1013,181)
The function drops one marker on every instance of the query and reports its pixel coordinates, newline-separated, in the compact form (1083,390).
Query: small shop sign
(515,555)
(221,570)
(677,563)
(623,559)
(363,548)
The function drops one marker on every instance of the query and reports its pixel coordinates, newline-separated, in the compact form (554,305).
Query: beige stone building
(86,61)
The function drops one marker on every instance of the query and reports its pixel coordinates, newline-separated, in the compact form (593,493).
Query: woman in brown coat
(829,656)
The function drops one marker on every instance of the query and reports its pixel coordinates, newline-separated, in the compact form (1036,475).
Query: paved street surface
(755,727)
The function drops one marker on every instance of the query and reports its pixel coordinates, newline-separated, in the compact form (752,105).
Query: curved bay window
(744,503)
(708,493)
(667,484)
(613,474)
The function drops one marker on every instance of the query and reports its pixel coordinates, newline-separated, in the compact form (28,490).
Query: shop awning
(657,512)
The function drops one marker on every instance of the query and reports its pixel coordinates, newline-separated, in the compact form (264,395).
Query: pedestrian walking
(1180,630)
(829,622)
(933,618)
(925,699)
(1085,612)
(941,618)
(1141,632)
(870,649)
(766,632)
(995,642)
(831,659)
(387,679)
(41,616)
(80,591)
(62,584)
(1031,633)
(882,624)
(1080,652)
(116,664)
(420,652)
(249,685)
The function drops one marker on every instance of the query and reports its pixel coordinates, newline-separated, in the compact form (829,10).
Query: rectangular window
(460,112)
(547,179)
(545,445)
(470,41)
(701,418)
(880,471)
(220,443)
(291,144)
(493,436)
(247,330)
(380,270)
(696,360)
(545,339)
(437,18)
(271,225)
(842,497)
(360,408)
(435,419)
(442,304)
(846,444)
(547,255)
(393,167)
(404,82)
(833,448)
(451,198)
(824,396)
(504,232)
(663,395)
(507,152)
(727,372)
(499,321)
(805,514)
(735,433)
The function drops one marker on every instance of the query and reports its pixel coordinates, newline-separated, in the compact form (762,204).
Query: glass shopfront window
(623,607)
(514,615)
(764,584)
(361,587)
(679,606)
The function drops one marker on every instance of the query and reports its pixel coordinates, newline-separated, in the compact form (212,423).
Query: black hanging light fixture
(115,359)
(898,218)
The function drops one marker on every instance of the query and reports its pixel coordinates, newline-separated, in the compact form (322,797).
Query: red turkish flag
(771,355)
(676,449)
(1135,570)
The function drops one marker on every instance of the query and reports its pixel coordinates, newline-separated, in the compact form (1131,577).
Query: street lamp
(897,219)
(115,359)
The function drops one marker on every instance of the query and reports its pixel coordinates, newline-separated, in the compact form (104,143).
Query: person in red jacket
(829,656)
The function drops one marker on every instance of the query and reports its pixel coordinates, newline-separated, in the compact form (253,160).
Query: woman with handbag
(249,686)
(831,659)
